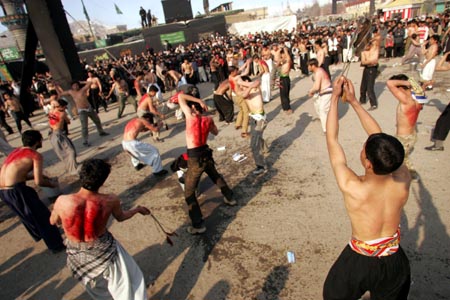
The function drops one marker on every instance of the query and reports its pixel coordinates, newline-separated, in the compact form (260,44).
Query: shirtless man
(285,82)
(200,158)
(320,56)
(323,88)
(94,257)
(214,69)
(85,110)
(177,78)
(120,89)
(22,164)
(373,260)
(264,71)
(253,97)
(61,143)
(223,102)
(147,106)
(13,105)
(429,63)
(443,65)
(188,71)
(410,98)
(369,59)
(95,92)
(142,153)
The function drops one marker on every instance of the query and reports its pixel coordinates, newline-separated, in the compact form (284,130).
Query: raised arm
(396,88)
(183,98)
(61,92)
(336,153)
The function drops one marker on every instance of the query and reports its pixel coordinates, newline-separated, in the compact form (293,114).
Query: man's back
(375,202)
(197,130)
(17,165)
(84,215)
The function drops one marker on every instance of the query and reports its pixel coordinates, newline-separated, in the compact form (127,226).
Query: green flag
(118,11)
(85,11)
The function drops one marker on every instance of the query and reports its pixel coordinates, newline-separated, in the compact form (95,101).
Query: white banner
(269,25)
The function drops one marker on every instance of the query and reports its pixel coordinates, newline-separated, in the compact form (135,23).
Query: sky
(104,11)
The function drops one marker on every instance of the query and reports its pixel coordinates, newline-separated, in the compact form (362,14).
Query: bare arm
(61,92)
(39,177)
(122,215)
(336,153)
(443,65)
(316,86)
(395,86)
(182,98)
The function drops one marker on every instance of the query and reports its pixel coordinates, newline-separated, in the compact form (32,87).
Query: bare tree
(206,7)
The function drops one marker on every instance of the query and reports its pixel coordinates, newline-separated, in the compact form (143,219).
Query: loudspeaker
(177,10)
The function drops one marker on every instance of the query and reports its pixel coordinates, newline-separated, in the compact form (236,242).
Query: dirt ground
(296,206)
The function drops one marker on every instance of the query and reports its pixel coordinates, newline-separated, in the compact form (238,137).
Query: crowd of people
(245,70)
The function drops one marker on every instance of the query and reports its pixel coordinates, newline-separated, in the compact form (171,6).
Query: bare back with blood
(197,130)
(407,116)
(17,165)
(135,126)
(85,215)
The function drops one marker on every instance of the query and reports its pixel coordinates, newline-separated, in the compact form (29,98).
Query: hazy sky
(104,11)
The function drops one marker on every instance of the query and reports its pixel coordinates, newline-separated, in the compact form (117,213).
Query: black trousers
(200,160)
(285,88)
(399,49)
(386,277)
(304,63)
(225,108)
(3,122)
(442,125)
(368,85)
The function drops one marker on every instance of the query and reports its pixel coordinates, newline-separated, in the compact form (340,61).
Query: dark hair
(75,81)
(313,62)
(385,153)
(246,78)
(94,173)
(196,105)
(435,37)
(31,137)
(153,88)
(149,117)
(53,93)
(62,102)
(232,69)
(399,77)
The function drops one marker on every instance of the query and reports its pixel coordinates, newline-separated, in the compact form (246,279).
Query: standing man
(120,89)
(147,106)
(265,77)
(22,164)
(142,153)
(223,102)
(61,143)
(253,97)
(410,98)
(440,131)
(373,260)
(95,92)
(85,110)
(429,63)
(285,81)
(200,158)
(188,71)
(13,105)
(143,15)
(369,59)
(323,88)
(93,255)
(347,52)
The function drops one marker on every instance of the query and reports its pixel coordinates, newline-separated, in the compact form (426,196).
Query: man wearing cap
(411,98)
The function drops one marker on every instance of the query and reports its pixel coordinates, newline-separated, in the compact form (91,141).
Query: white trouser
(265,87)
(123,279)
(347,55)
(322,106)
(143,152)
